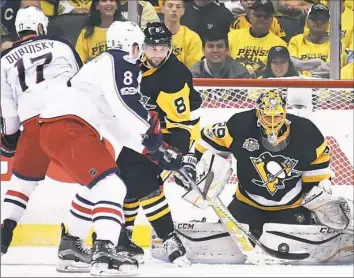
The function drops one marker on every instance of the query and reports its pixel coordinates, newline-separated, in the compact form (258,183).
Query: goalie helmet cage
(328,103)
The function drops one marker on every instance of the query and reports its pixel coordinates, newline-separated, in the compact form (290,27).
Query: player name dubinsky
(28,48)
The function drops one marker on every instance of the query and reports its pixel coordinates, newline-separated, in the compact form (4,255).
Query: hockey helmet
(271,114)
(157,33)
(122,35)
(29,19)
(158,45)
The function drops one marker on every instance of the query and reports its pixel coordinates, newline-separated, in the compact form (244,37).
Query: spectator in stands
(279,64)
(234,6)
(217,62)
(186,44)
(244,22)
(347,72)
(203,15)
(6,43)
(57,7)
(347,21)
(312,52)
(146,12)
(92,39)
(250,46)
(9,10)
(295,8)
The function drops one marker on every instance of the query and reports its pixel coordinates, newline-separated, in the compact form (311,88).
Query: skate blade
(68,266)
(182,261)
(101,269)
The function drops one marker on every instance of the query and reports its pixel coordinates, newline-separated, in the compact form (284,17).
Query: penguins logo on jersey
(273,171)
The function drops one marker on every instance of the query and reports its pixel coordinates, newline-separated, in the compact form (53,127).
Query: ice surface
(40,262)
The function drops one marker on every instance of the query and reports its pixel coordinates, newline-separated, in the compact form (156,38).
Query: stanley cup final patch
(250,144)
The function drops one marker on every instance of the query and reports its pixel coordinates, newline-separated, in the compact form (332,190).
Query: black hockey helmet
(157,33)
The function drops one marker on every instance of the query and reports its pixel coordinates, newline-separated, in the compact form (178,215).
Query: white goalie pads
(322,244)
(209,243)
(222,171)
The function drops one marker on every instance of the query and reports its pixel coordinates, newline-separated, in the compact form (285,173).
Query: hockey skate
(7,229)
(175,250)
(107,262)
(128,248)
(72,253)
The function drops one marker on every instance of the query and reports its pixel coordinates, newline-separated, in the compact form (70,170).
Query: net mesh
(314,100)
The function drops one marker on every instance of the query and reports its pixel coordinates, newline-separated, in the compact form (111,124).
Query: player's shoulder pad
(303,129)
(241,122)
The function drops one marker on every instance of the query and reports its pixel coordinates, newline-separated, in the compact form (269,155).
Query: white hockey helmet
(123,35)
(28,19)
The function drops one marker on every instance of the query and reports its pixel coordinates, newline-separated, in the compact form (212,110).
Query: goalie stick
(238,234)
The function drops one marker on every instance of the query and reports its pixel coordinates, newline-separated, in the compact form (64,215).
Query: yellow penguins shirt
(250,51)
(91,47)
(347,22)
(169,91)
(187,46)
(347,72)
(242,22)
(270,180)
(303,49)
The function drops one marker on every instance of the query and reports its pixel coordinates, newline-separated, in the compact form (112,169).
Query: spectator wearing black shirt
(203,15)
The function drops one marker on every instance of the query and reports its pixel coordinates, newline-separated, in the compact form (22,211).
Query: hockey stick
(238,234)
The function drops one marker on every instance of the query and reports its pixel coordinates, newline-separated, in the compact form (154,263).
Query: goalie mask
(271,114)
(158,45)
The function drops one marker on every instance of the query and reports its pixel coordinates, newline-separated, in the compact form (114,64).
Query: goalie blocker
(211,243)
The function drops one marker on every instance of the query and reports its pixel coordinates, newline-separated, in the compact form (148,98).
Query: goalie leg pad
(325,245)
(207,243)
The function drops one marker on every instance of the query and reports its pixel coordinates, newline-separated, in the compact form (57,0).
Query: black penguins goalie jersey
(270,180)
(169,91)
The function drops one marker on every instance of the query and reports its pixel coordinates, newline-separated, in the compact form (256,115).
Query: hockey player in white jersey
(29,69)
(101,100)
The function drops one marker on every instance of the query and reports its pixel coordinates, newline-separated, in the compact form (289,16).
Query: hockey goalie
(283,210)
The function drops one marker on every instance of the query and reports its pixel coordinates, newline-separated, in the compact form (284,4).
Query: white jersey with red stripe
(105,93)
(28,72)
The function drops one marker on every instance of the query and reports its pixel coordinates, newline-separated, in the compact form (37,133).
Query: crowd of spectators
(215,39)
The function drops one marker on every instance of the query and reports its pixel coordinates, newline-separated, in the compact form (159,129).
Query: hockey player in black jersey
(283,177)
(166,88)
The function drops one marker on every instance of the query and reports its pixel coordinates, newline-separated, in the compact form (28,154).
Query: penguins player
(283,173)
(167,89)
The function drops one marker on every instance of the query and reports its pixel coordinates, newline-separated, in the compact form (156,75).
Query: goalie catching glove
(157,150)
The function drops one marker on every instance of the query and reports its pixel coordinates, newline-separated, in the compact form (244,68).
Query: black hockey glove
(9,144)
(189,163)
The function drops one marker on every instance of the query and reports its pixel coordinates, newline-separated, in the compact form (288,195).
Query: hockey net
(329,104)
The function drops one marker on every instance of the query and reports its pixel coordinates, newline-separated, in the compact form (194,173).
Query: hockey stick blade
(238,234)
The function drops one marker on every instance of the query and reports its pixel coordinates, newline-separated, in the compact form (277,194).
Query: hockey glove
(157,150)
(9,144)
(152,139)
(189,163)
